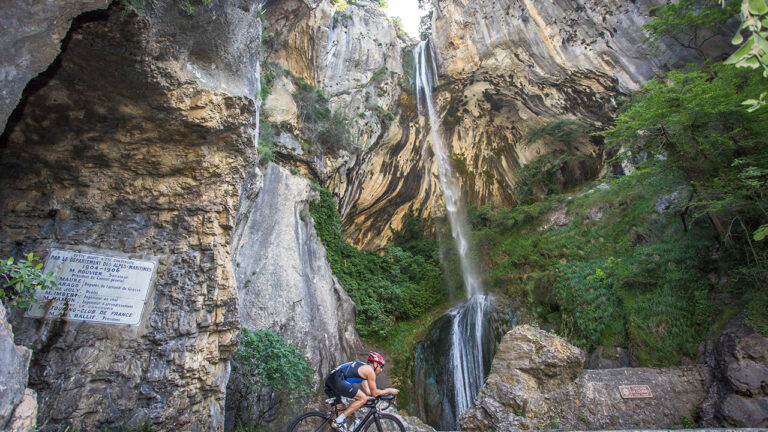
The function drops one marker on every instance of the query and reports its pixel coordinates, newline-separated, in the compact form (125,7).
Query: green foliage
(379,75)
(589,302)
(617,274)
(694,118)
(559,132)
(269,73)
(139,7)
(425,26)
(753,50)
(690,23)
(266,141)
(555,171)
(383,4)
(402,284)
(22,279)
(756,304)
(339,5)
(761,233)
(385,116)
(269,379)
(318,124)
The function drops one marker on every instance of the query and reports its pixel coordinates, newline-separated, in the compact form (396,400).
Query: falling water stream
(426,76)
(469,328)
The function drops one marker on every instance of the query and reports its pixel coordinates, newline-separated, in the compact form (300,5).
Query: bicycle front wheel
(385,423)
(313,421)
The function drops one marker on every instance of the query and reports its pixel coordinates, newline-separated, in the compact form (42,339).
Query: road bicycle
(373,421)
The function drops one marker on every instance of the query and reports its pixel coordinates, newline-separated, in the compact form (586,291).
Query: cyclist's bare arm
(366,388)
(370,379)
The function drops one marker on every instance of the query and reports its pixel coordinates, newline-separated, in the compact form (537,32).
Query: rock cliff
(514,65)
(18,404)
(506,68)
(360,62)
(284,280)
(137,140)
(31,40)
(739,357)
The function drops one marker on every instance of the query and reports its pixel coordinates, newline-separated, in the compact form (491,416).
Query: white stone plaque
(95,288)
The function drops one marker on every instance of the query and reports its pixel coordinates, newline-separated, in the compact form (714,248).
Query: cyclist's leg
(360,399)
(332,392)
(349,391)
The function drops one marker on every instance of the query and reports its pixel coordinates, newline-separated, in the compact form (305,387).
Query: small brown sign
(635,392)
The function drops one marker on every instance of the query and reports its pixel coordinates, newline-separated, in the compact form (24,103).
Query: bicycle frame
(373,411)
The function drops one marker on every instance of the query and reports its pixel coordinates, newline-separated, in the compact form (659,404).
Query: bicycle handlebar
(390,399)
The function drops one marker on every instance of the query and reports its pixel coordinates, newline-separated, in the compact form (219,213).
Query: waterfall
(467,365)
(426,75)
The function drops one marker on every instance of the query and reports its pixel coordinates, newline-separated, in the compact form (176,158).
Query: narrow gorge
(545,214)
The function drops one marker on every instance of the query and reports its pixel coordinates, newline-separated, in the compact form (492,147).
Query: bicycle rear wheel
(313,421)
(386,423)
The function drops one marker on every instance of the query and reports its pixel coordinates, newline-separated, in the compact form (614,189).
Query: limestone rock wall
(284,279)
(537,382)
(514,65)
(358,60)
(16,401)
(138,141)
(354,56)
(31,39)
(506,67)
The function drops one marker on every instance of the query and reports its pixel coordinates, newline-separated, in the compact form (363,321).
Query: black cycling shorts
(337,387)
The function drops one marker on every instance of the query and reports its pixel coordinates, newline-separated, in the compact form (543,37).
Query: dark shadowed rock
(31,40)
(740,361)
(609,358)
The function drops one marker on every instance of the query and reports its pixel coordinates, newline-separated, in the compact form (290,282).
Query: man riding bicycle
(340,383)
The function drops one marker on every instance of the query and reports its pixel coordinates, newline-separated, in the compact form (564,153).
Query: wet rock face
(284,279)
(434,376)
(138,142)
(537,382)
(740,398)
(31,39)
(13,374)
(510,66)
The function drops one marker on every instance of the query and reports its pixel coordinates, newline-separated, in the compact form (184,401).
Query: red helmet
(376,357)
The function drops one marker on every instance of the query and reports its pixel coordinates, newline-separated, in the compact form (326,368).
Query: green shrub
(617,274)
(559,132)
(270,380)
(319,125)
(403,283)
(589,303)
(379,74)
(22,279)
(757,304)
(269,73)
(266,142)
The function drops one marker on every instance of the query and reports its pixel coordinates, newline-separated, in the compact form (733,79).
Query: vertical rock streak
(469,318)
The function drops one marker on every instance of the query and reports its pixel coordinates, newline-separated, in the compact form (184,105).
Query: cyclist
(340,383)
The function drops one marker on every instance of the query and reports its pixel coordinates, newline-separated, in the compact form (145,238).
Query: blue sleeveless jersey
(349,372)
